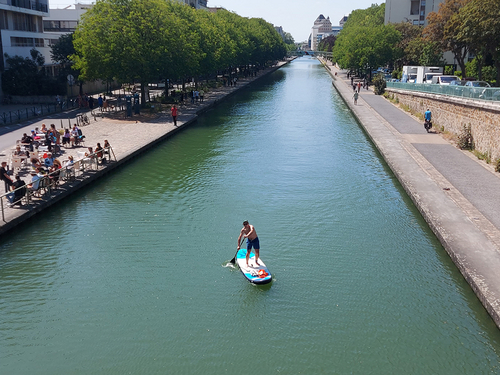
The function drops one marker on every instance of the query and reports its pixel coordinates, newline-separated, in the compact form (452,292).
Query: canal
(131,275)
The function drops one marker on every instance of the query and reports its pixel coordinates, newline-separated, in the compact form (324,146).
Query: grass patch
(486,156)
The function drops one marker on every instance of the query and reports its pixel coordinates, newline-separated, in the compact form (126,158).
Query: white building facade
(21,28)
(321,29)
(414,11)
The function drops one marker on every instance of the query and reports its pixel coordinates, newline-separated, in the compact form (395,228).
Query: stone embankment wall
(453,113)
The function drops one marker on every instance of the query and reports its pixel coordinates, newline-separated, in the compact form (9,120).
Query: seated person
(98,150)
(69,163)
(75,133)
(35,163)
(36,176)
(44,129)
(66,138)
(19,152)
(27,141)
(49,160)
(54,171)
(19,187)
(89,153)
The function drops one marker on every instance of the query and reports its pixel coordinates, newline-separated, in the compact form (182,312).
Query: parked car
(457,87)
(477,84)
(477,89)
(443,80)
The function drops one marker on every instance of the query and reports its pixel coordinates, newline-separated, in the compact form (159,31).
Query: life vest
(262,274)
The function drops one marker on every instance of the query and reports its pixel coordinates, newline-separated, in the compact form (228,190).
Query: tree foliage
(443,28)
(146,40)
(327,43)
(25,76)
(480,30)
(365,42)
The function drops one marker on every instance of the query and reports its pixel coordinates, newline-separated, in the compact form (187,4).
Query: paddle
(233,261)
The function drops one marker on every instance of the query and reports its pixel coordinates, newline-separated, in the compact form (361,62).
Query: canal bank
(457,195)
(128,137)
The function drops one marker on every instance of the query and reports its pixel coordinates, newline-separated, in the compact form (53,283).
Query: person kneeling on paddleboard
(250,234)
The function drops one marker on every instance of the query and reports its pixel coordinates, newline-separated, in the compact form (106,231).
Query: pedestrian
(428,120)
(174,114)
(100,102)
(5,177)
(355,97)
(250,234)
(202,94)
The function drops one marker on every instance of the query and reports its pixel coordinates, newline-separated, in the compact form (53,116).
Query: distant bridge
(310,53)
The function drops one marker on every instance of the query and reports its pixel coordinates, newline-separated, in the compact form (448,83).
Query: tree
(480,29)
(24,76)
(365,42)
(133,40)
(62,50)
(327,43)
(443,28)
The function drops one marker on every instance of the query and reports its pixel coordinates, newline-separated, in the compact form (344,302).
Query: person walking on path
(173,109)
(428,120)
(248,232)
(355,97)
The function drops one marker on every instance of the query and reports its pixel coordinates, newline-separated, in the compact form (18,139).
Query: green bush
(465,141)
(379,84)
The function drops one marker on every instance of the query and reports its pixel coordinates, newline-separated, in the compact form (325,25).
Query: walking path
(458,195)
(128,137)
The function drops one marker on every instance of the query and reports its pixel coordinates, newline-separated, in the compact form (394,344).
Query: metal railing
(52,180)
(14,116)
(479,93)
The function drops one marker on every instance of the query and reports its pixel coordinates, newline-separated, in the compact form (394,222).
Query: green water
(130,275)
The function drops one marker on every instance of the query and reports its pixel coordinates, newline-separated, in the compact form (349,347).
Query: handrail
(93,157)
(491,94)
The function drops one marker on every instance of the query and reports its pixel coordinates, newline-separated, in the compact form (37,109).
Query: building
(21,28)
(322,28)
(414,11)
(198,4)
(63,21)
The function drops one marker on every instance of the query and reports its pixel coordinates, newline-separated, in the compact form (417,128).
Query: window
(415,7)
(21,42)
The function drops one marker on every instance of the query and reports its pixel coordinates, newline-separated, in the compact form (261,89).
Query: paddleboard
(256,274)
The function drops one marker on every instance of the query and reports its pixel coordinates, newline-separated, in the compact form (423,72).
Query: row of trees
(148,40)
(463,27)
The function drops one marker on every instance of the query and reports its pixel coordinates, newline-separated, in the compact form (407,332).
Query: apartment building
(322,28)
(21,28)
(414,11)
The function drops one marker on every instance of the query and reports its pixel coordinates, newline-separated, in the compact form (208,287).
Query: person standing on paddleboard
(250,234)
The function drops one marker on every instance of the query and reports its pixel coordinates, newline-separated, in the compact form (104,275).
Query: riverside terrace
(128,137)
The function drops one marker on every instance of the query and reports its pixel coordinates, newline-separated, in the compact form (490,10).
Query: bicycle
(82,119)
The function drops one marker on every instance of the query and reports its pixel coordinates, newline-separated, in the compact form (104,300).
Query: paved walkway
(128,137)
(458,195)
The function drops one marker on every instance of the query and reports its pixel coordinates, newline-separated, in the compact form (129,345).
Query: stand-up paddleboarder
(248,232)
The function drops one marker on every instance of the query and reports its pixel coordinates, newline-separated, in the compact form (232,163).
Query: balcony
(29,4)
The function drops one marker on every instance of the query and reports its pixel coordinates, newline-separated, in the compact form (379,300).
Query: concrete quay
(458,195)
(128,138)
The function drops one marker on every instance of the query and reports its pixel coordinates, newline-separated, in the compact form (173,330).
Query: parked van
(425,73)
(443,80)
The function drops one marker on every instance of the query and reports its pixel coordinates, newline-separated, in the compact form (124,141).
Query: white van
(444,80)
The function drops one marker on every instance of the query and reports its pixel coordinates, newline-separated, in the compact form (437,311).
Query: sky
(295,16)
